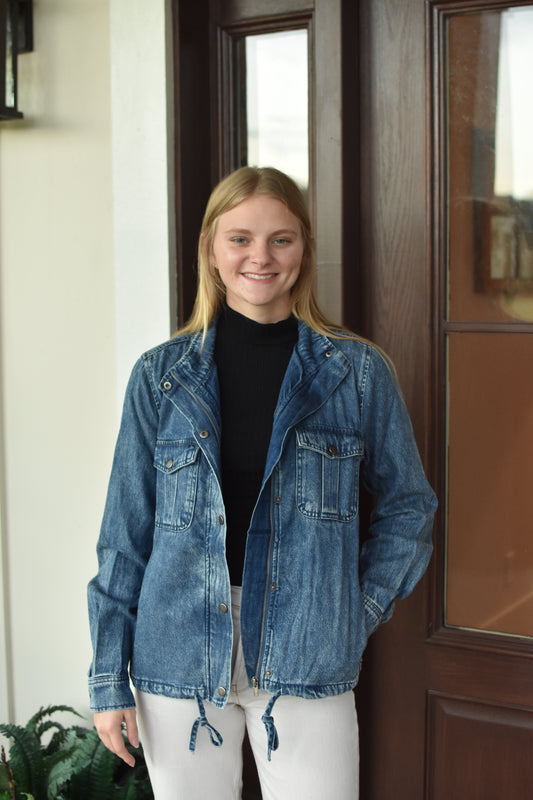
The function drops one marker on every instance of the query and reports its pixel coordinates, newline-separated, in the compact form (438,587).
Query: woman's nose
(260,253)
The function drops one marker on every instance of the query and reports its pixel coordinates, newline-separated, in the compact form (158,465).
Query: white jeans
(317,758)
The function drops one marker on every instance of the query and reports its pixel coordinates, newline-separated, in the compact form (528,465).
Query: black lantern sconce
(16,36)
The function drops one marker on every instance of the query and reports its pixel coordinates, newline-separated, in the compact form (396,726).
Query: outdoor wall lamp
(16,36)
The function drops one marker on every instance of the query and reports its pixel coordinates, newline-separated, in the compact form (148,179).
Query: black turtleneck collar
(241,328)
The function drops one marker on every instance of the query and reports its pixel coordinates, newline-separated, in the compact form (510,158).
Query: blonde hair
(232,190)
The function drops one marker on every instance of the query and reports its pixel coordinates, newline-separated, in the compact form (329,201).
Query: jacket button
(169,463)
(223,607)
(333,450)
(273,586)
(269,673)
(167,385)
(204,434)
(221,691)
(221,519)
(278,499)
(329,353)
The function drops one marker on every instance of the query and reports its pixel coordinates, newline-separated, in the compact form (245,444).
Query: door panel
(446,706)
(478,746)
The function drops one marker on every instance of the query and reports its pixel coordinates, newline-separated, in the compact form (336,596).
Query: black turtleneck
(251,360)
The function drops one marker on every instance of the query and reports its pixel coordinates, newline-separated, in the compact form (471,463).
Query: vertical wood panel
(396,277)
(193,140)
(393,188)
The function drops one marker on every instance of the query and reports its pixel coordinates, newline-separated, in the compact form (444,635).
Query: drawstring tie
(216,738)
(268,720)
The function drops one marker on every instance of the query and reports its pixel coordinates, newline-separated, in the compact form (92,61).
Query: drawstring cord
(268,720)
(216,738)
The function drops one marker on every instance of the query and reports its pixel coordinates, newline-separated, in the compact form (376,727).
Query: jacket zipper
(204,409)
(255,679)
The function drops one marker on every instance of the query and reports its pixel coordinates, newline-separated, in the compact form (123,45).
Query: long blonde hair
(232,190)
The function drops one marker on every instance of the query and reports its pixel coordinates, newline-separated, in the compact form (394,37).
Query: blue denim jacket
(311,596)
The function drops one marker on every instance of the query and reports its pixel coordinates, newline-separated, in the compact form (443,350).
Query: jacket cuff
(110,692)
(374,614)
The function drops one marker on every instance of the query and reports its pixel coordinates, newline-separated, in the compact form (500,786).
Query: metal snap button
(273,586)
(169,463)
(269,673)
(333,450)
(221,519)
(167,385)
(204,434)
(329,353)
(221,691)
(223,607)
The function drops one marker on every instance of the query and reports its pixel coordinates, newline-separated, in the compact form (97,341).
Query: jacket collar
(317,366)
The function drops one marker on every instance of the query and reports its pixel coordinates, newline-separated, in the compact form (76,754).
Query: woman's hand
(109,727)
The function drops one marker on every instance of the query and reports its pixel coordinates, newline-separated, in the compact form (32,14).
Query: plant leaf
(47,711)
(25,758)
(59,775)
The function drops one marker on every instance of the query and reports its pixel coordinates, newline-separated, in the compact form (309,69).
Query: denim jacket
(311,595)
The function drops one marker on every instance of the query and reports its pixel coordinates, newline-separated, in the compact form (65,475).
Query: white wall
(84,266)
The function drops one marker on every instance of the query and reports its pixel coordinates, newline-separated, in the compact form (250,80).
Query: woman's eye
(282,240)
(238,240)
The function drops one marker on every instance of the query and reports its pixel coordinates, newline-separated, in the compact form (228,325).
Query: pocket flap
(331,442)
(173,455)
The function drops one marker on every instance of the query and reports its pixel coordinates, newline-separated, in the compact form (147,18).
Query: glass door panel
(488,326)
(490,493)
(490,165)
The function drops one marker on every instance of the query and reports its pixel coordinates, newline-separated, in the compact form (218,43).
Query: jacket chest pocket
(328,463)
(176,463)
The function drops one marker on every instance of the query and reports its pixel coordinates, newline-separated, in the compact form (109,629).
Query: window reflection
(272,102)
(511,220)
(514,112)
(490,125)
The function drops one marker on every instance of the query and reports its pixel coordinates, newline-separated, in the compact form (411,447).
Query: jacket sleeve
(398,549)
(124,546)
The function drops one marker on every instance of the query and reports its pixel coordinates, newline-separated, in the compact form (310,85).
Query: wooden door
(446,694)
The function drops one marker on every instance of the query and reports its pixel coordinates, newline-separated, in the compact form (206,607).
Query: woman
(230,565)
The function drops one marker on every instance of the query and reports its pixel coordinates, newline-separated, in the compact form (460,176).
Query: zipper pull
(255,684)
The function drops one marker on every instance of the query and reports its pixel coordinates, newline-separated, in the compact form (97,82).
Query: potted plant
(48,761)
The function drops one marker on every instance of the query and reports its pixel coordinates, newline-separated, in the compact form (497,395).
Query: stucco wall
(84,260)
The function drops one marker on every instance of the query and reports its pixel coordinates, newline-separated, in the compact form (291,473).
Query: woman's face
(258,249)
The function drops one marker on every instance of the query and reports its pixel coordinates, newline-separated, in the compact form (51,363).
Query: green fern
(95,769)
(73,765)
(38,724)
(61,764)
(25,759)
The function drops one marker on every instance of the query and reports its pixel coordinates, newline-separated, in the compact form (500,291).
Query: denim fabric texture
(311,596)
